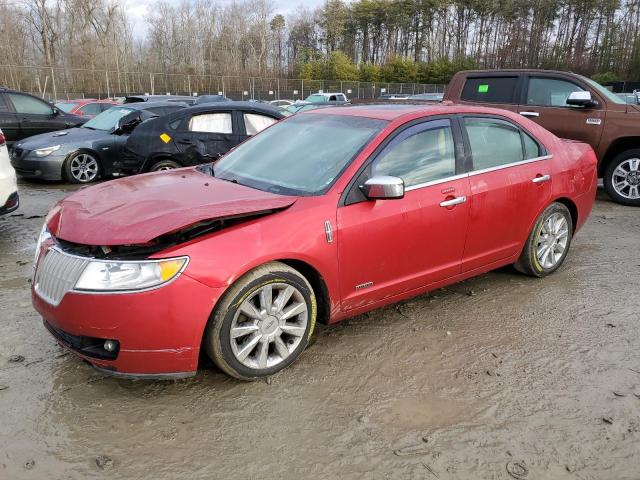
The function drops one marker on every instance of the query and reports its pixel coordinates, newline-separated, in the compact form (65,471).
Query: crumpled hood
(74,136)
(136,210)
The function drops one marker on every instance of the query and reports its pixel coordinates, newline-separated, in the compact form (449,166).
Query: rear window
(490,89)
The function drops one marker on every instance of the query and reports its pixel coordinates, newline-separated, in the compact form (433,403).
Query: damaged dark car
(195,135)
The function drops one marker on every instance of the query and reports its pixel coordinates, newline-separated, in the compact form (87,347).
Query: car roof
(148,105)
(514,70)
(395,112)
(249,106)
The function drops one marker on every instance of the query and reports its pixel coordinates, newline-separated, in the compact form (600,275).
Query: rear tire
(163,165)
(548,243)
(263,323)
(622,178)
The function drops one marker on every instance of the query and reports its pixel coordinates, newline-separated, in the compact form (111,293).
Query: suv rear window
(490,89)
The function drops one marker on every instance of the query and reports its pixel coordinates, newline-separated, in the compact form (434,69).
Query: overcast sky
(138,9)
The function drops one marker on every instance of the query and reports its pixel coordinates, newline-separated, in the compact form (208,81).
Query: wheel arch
(617,146)
(158,157)
(314,277)
(571,206)
(88,150)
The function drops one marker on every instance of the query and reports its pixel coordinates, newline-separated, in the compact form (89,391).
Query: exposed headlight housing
(43,152)
(44,236)
(119,276)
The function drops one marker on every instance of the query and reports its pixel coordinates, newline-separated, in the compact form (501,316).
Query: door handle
(453,201)
(529,114)
(541,179)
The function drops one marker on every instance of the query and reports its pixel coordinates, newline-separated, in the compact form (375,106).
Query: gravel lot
(499,377)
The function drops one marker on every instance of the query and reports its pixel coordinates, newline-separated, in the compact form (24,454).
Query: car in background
(199,100)
(427,97)
(281,103)
(185,99)
(23,115)
(86,153)
(240,259)
(87,107)
(335,98)
(194,135)
(630,98)
(9,200)
(300,107)
(393,96)
(570,106)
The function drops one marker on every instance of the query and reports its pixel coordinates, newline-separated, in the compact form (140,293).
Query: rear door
(35,116)
(205,136)
(510,181)
(252,123)
(9,123)
(500,90)
(544,100)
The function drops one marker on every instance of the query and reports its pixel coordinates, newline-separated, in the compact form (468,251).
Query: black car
(83,154)
(194,135)
(160,98)
(23,115)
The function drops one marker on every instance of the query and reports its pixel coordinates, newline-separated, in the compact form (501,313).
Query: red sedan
(320,217)
(87,107)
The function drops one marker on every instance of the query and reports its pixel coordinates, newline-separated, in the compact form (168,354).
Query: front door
(510,183)
(35,115)
(387,247)
(545,102)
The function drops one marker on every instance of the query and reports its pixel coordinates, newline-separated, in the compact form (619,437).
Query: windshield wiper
(90,128)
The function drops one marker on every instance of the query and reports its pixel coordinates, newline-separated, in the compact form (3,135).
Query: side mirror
(581,99)
(383,188)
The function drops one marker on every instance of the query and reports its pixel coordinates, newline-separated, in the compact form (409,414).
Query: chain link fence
(61,83)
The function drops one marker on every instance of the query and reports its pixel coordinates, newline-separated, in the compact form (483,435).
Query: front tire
(622,178)
(263,322)
(81,167)
(548,243)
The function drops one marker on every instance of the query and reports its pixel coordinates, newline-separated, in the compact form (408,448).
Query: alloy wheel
(552,240)
(84,168)
(269,325)
(626,179)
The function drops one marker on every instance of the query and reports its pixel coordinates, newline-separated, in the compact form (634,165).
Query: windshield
(302,155)
(66,107)
(316,98)
(605,92)
(107,120)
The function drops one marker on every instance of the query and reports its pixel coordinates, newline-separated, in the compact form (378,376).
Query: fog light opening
(110,345)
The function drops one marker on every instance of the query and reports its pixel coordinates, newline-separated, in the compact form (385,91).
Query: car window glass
(332,98)
(65,106)
(531,147)
(27,104)
(490,89)
(175,124)
(418,155)
(550,92)
(255,123)
(3,106)
(105,106)
(91,109)
(211,123)
(493,142)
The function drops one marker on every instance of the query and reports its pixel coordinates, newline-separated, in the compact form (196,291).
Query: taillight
(2,139)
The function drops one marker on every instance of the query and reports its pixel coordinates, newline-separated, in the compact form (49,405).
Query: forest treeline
(368,40)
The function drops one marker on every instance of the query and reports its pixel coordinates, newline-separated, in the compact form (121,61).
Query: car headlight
(43,152)
(114,276)
(44,236)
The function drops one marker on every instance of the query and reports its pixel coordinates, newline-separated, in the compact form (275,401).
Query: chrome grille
(56,274)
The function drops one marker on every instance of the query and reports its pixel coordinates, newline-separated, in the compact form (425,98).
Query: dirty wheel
(622,178)
(548,242)
(81,167)
(163,165)
(263,322)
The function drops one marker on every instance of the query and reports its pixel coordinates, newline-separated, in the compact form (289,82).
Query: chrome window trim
(509,165)
(476,172)
(436,182)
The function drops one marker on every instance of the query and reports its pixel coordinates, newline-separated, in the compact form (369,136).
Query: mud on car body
(322,216)
(196,135)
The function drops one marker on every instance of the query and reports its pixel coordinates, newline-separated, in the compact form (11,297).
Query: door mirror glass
(581,99)
(383,187)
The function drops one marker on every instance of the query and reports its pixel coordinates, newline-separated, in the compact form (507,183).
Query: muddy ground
(500,377)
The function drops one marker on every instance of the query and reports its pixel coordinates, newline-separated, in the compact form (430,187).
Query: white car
(322,97)
(8,185)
